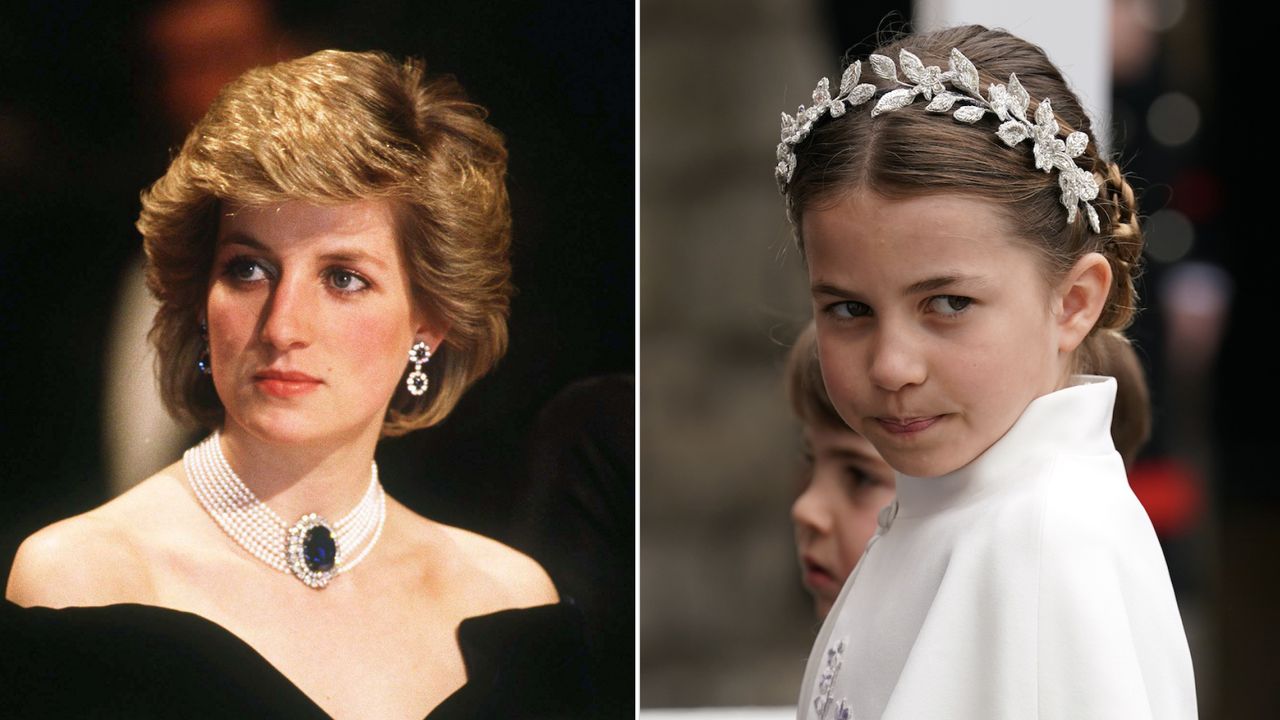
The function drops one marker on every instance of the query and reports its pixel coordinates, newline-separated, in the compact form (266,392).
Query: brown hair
(909,152)
(337,127)
(805,387)
(1131,419)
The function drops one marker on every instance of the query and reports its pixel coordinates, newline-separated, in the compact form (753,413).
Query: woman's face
(846,483)
(310,320)
(935,326)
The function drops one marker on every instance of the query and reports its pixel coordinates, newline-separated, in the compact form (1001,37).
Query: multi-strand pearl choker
(311,549)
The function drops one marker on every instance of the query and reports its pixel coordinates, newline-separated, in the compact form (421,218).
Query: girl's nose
(810,512)
(896,360)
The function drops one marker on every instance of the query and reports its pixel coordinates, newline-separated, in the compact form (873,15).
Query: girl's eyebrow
(915,288)
(826,288)
(940,282)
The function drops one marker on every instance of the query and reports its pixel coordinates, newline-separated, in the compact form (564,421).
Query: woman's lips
(285,384)
(908,427)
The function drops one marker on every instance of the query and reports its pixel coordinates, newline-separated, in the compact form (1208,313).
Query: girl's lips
(910,427)
(819,580)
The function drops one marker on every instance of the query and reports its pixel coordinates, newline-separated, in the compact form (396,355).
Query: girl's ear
(1080,299)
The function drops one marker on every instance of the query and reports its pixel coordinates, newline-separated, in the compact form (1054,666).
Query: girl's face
(310,319)
(846,483)
(935,325)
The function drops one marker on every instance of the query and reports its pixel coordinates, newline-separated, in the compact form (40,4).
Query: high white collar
(1075,420)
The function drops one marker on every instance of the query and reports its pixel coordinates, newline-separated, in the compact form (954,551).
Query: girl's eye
(857,478)
(848,309)
(949,305)
(246,270)
(347,281)
(861,480)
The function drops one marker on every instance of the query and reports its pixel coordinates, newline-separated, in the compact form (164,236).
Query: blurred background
(724,619)
(94,99)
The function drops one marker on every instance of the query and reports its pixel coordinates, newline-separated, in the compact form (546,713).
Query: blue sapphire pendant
(312,552)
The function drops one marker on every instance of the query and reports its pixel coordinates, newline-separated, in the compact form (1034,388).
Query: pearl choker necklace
(311,549)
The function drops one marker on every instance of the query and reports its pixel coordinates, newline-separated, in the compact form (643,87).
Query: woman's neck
(327,478)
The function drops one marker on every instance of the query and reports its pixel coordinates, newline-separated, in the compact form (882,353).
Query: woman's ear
(432,332)
(1080,299)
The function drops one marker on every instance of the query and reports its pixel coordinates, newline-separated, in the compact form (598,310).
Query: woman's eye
(246,270)
(949,304)
(848,309)
(347,281)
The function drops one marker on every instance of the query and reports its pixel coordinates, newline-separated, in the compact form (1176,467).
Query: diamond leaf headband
(1008,102)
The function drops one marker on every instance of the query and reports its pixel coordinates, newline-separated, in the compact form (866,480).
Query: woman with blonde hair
(330,252)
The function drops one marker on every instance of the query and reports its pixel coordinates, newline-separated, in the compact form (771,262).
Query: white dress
(1027,584)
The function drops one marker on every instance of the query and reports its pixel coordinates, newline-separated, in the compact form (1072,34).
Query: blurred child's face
(935,326)
(845,485)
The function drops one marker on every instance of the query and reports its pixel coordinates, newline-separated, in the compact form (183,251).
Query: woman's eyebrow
(239,237)
(346,255)
(340,254)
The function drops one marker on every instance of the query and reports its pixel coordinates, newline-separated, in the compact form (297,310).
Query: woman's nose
(288,314)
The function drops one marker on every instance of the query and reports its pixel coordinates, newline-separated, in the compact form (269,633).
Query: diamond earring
(417,381)
(203,362)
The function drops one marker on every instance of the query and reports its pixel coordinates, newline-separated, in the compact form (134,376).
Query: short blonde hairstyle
(337,127)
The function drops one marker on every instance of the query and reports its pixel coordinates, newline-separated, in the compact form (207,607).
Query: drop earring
(417,381)
(203,362)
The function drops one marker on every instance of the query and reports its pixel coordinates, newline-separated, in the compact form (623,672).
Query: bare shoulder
(91,559)
(505,577)
(516,570)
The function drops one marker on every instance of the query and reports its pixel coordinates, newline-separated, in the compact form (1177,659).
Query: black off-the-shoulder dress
(140,661)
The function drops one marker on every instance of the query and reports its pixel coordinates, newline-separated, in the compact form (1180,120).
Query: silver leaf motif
(1044,117)
(999,101)
(893,101)
(1008,102)
(911,66)
(1019,100)
(884,67)
(850,77)
(1013,132)
(1077,142)
(861,93)
(966,73)
(821,94)
(942,102)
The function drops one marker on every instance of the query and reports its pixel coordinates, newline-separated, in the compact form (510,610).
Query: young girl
(971,261)
(845,483)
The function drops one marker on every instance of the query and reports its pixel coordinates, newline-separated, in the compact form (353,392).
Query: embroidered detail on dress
(826,680)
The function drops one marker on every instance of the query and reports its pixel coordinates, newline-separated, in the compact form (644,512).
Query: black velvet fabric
(139,661)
